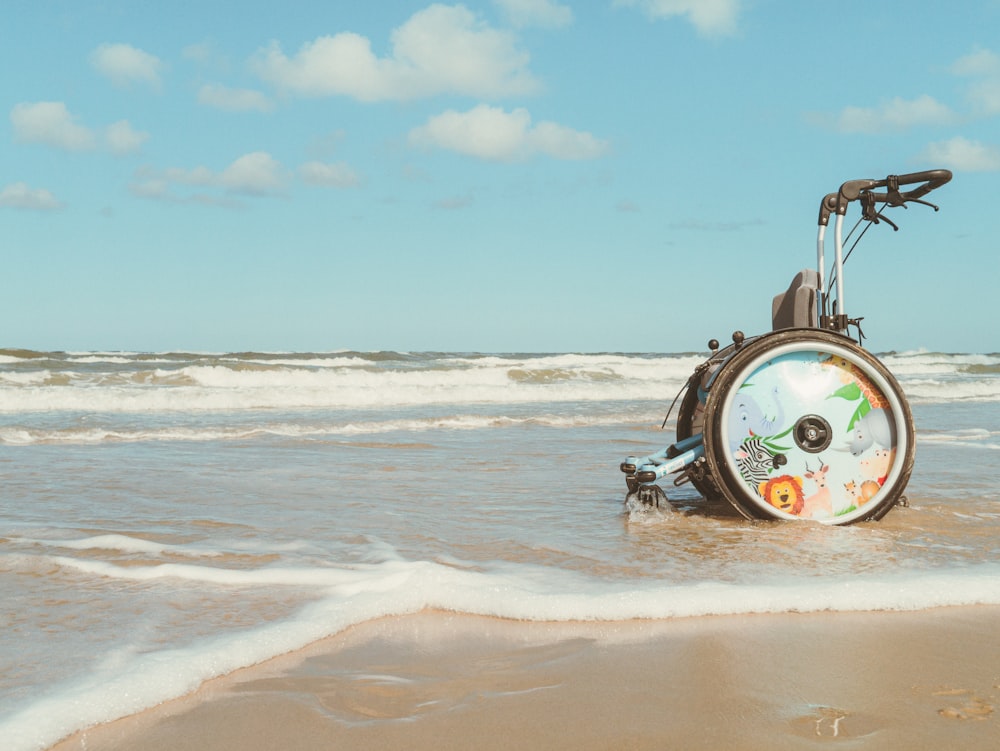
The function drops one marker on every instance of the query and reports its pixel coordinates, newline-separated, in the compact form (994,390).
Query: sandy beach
(921,680)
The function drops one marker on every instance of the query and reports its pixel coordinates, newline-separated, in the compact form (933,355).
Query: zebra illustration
(756,461)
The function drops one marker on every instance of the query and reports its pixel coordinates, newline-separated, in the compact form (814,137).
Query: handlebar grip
(937,176)
(852,190)
(932,179)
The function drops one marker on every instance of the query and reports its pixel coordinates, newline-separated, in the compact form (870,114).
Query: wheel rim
(809,428)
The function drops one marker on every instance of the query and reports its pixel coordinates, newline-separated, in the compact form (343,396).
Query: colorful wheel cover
(810,429)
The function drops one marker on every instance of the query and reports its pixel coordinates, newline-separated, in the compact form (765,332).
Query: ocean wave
(137,679)
(127,383)
(984,368)
(937,390)
(531,592)
(978,438)
(114,542)
(207,386)
(15,355)
(26,436)
(26,378)
(118,543)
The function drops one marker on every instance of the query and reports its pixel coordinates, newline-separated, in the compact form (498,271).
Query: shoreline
(920,679)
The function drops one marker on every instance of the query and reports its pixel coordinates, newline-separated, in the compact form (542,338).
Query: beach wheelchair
(801,422)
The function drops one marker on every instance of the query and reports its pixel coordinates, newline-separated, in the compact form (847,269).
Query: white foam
(24,436)
(971,438)
(128,681)
(269,577)
(122,543)
(942,390)
(923,359)
(116,359)
(311,362)
(127,544)
(20,436)
(225,383)
(349,382)
(26,378)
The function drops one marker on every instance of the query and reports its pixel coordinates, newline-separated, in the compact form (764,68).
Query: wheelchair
(801,422)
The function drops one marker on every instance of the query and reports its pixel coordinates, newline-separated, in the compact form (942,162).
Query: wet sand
(925,680)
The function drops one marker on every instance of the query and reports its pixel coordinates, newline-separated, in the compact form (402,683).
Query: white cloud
(21,196)
(336,175)
(985,96)
(201,52)
(50,123)
(484,132)
(196,176)
(234,100)
(898,114)
(491,133)
(126,65)
(254,174)
(984,92)
(546,13)
(324,145)
(962,154)
(147,186)
(440,49)
(122,138)
(894,115)
(979,63)
(709,17)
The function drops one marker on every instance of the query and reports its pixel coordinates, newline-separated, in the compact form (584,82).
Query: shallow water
(170,517)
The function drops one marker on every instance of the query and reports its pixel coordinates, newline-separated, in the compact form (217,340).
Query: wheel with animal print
(805,424)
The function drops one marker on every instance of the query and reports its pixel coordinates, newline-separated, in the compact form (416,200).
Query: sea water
(171,517)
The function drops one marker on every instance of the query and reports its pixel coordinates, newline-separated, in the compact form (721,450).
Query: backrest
(796,307)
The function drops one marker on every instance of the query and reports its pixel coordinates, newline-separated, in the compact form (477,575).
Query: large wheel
(805,424)
(690,421)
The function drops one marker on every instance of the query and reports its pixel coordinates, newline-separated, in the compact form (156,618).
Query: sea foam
(129,681)
(114,385)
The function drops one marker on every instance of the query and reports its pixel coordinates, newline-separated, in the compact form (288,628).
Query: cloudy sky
(495,175)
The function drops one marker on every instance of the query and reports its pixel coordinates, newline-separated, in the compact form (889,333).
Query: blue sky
(497,175)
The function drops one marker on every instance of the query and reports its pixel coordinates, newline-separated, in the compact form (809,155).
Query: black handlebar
(852,190)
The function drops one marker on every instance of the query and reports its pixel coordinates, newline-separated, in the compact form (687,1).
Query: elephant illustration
(747,418)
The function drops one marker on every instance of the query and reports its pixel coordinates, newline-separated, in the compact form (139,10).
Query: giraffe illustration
(849,372)
(870,424)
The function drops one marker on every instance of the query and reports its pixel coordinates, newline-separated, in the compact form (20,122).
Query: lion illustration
(784,493)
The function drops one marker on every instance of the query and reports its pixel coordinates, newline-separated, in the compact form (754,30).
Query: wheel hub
(812,434)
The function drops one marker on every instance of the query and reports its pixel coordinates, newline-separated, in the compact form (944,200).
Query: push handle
(852,190)
(931,179)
